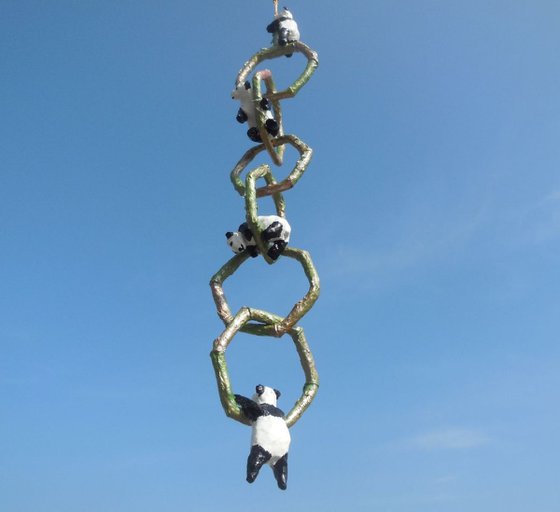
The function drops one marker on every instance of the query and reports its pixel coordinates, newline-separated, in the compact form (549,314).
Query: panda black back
(271,410)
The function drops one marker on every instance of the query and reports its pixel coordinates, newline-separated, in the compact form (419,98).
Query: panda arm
(250,409)
(272,27)
(253,251)
(245,231)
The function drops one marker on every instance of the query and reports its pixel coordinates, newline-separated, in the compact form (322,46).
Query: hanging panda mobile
(267,236)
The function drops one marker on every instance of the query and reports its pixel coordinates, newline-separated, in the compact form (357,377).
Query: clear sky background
(431,209)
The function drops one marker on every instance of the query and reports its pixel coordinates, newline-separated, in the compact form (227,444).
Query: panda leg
(283,37)
(281,472)
(257,458)
(272,231)
(276,249)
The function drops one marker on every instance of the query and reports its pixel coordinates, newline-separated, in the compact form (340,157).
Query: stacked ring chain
(267,236)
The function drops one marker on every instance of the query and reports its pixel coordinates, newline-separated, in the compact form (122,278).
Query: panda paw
(254,134)
(276,249)
(241,116)
(253,251)
(265,104)
(272,127)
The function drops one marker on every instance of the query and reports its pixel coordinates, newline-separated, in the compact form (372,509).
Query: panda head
(241,90)
(266,395)
(236,242)
(286,14)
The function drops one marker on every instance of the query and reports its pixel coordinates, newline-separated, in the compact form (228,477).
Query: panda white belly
(266,220)
(272,434)
(291,27)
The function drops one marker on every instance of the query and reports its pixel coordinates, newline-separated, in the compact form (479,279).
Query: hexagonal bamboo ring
(287,183)
(274,325)
(218,356)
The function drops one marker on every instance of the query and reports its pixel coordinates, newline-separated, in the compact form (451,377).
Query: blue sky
(431,209)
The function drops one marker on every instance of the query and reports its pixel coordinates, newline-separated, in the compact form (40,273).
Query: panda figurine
(270,439)
(275,231)
(284,29)
(248,113)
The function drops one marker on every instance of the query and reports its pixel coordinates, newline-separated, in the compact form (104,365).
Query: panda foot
(277,249)
(253,251)
(241,116)
(272,127)
(265,104)
(254,134)
(280,470)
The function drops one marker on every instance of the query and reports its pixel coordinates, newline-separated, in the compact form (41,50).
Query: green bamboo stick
(221,371)
(275,325)
(311,377)
(245,160)
(222,307)
(252,210)
(276,152)
(225,393)
(304,305)
(216,285)
(273,188)
(277,51)
(301,165)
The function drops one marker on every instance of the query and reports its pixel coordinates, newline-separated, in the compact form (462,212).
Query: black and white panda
(275,231)
(248,112)
(270,439)
(284,29)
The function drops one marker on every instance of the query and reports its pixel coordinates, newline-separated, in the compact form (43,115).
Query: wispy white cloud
(540,220)
(490,228)
(449,439)
(420,243)
(445,479)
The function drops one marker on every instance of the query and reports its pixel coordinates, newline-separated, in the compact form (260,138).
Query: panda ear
(229,234)
(277,393)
